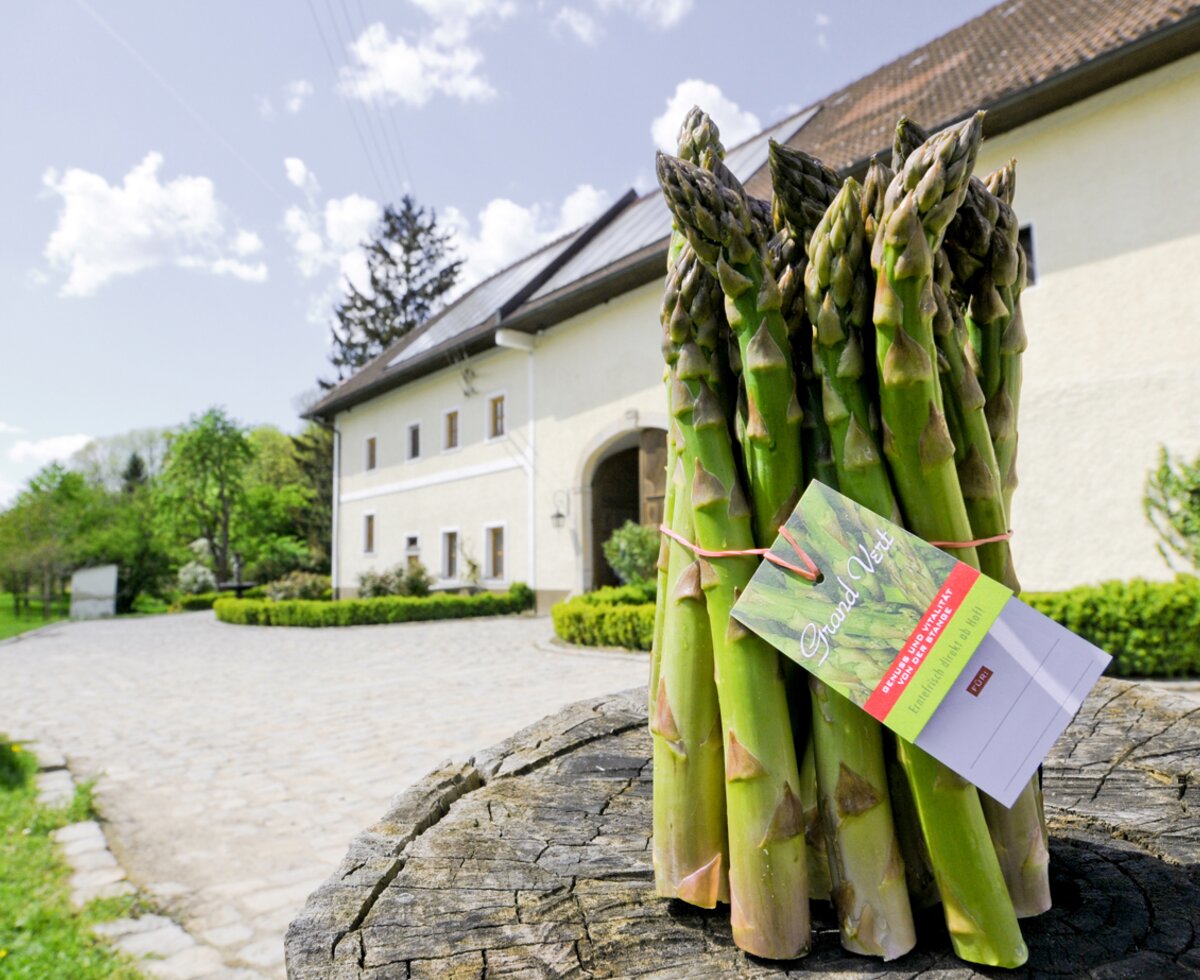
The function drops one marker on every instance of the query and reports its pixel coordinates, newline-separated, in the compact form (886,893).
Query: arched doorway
(628,483)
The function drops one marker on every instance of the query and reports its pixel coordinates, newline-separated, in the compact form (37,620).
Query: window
(495,551)
(1025,236)
(369,453)
(450,432)
(495,416)
(368,534)
(412,550)
(414,441)
(449,554)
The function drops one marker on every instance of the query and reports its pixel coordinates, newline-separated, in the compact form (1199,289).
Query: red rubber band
(811,572)
(972,544)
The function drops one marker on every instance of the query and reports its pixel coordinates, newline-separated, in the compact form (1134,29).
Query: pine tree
(410,266)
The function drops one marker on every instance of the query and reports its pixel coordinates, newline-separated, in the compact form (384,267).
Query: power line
(388,157)
(171,90)
(353,118)
(392,131)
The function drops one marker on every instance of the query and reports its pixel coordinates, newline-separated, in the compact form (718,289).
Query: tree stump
(533,860)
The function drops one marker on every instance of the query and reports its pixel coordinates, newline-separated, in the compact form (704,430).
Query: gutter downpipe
(337,506)
(516,340)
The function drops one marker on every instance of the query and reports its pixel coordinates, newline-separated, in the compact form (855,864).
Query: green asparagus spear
(918,206)
(767,861)
(716,220)
(691,852)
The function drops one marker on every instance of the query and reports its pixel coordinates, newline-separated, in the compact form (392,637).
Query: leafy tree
(313,453)
(1172,504)
(203,483)
(102,461)
(128,536)
(410,267)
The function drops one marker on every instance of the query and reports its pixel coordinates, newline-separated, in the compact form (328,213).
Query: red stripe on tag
(916,648)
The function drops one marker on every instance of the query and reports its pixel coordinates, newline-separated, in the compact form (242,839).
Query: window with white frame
(412,445)
(450,430)
(450,553)
(368,534)
(369,453)
(495,416)
(493,537)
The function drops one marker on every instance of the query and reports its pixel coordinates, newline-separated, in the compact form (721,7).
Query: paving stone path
(235,764)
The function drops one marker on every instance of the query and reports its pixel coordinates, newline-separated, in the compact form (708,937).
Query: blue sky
(184,183)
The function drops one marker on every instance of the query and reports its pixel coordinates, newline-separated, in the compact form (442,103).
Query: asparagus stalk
(837,298)
(716,220)
(918,206)
(690,847)
(1003,417)
(662,566)
(866,866)
(974,458)
(803,189)
(1019,834)
(767,862)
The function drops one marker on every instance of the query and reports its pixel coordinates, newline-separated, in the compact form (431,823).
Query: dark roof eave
(634,270)
(1107,70)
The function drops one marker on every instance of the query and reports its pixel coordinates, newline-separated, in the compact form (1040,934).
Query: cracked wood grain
(533,861)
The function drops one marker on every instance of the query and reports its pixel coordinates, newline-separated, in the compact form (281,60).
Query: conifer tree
(410,267)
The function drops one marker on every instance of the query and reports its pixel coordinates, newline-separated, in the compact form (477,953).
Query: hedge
(198,601)
(361,612)
(1152,629)
(591,623)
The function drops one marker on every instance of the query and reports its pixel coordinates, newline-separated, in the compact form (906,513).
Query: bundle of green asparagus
(869,337)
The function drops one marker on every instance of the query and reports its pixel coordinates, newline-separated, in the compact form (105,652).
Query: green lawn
(11,625)
(40,935)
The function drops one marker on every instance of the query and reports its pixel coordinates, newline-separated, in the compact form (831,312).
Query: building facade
(513,432)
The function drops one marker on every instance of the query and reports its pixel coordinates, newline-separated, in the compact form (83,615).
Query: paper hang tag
(942,655)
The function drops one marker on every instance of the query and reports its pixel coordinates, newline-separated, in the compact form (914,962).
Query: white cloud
(265,107)
(822,21)
(326,240)
(301,177)
(736,124)
(579,23)
(7,429)
(508,231)
(109,230)
(42,451)
(658,13)
(393,70)
(295,93)
(246,243)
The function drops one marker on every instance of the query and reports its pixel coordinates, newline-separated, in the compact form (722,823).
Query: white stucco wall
(1112,370)
(1113,366)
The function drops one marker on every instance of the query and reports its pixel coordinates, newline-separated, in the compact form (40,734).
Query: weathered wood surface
(533,860)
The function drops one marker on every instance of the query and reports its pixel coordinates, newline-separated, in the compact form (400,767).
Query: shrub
(360,612)
(632,551)
(592,623)
(195,578)
(417,580)
(1152,629)
(196,602)
(298,585)
(633,594)
(413,579)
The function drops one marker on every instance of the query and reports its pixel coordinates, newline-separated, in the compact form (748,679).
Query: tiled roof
(1009,49)
(1019,59)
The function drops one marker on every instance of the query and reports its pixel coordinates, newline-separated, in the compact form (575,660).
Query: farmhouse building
(518,427)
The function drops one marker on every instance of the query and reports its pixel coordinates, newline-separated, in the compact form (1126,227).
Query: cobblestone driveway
(235,763)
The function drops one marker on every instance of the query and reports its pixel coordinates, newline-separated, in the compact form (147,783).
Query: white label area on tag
(1018,692)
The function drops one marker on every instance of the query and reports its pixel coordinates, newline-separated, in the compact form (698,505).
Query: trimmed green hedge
(1152,629)
(590,623)
(361,612)
(199,601)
